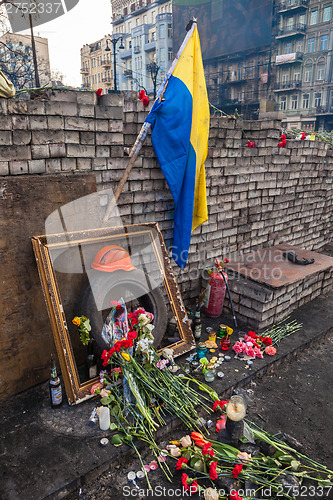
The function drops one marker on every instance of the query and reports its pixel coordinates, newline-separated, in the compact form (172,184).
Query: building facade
(140,48)
(16,60)
(303,63)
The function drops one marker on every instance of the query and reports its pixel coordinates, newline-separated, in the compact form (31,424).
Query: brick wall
(257,197)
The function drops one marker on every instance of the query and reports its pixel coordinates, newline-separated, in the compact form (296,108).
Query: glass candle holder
(236,408)
(222,331)
(210,372)
(225,343)
(201,350)
(212,336)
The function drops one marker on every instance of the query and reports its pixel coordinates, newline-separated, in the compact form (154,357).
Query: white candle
(104,419)
(236,410)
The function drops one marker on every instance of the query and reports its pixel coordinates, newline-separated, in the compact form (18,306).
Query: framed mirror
(81,272)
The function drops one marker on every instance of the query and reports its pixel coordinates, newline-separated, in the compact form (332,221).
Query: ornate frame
(77,391)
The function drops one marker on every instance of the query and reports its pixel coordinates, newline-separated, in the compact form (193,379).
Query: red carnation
(99,92)
(267,340)
(132,335)
(212,471)
(142,93)
(112,351)
(145,101)
(118,346)
(184,482)
(283,137)
(181,461)
(205,449)
(253,335)
(226,261)
(236,470)
(234,496)
(303,135)
(194,487)
(219,403)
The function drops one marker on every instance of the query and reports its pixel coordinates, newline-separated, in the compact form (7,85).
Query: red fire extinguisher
(215,292)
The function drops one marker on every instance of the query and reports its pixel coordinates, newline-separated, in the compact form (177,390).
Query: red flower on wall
(99,92)
(283,142)
(145,101)
(250,144)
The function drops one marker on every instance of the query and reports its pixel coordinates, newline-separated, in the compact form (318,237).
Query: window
(283,103)
(314,17)
(297,77)
(306,100)
(320,72)
(308,75)
(169,30)
(302,19)
(324,42)
(290,23)
(299,46)
(317,99)
(288,48)
(162,54)
(285,77)
(170,55)
(162,34)
(311,45)
(152,36)
(294,102)
(327,14)
(145,19)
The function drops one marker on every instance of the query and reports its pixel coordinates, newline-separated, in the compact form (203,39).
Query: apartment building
(146,29)
(303,63)
(16,59)
(97,64)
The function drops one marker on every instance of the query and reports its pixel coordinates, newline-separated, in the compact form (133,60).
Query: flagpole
(146,126)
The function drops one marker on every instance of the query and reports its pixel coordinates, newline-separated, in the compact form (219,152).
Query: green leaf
(113,426)
(325,483)
(117,440)
(128,438)
(295,464)
(106,400)
(198,465)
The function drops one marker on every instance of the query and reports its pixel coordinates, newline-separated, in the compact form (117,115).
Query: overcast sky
(87,22)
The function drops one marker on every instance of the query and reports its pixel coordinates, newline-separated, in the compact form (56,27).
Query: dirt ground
(295,399)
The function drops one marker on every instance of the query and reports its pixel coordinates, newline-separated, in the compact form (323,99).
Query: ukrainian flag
(180,128)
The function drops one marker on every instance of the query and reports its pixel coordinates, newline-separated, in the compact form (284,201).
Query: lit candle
(104,419)
(236,410)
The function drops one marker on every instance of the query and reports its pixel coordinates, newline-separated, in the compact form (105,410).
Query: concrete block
(113,99)
(86,97)
(17,106)
(40,151)
(39,123)
(37,166)
(6,137)
(21,137)
(57,150)
(14,153)
(20,122)
(68,164)
(110,138)
(72,137)
(73,123)
(109,112)
(53,165)
(55,122)
(102,151)
(68,96)
(3,105)
(99,164)
(48,137)
(116,126)
(84,163)
(87,138)
(61,108)
(36,107)
(4,168)
(18,167)
(5,122)
(80,151)
(102,125)
(86,110)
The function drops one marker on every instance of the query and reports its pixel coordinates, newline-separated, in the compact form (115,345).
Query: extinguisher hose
(232,306)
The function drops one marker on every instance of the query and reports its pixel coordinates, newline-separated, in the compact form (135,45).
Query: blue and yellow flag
(180,128)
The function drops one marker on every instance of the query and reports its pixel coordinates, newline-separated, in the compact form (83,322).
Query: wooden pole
(145,128)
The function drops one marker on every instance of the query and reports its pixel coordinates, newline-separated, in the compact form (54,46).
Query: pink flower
(238,348)
(96,386)
(250,352)
(270,350)
(221,423)
(105,393)
(258,353)
(244,457)
(162,364)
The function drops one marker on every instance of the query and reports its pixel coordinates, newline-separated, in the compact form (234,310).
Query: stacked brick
(257,197)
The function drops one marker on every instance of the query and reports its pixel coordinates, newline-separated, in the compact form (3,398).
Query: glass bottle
(210,372)
(197,324)
(201,350)
(55,386)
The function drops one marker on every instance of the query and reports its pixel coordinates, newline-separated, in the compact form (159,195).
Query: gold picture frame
(50,250)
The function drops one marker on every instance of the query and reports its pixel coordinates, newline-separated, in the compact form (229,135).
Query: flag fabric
(180,128)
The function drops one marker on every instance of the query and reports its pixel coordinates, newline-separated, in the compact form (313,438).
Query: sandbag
(7,89)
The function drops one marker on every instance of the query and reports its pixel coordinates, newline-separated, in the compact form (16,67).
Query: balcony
(297,5)
(324,110)
(150,46)
(137,49)
(106,62)
(288,85)
(296,29)
(84,71)
(125,54)
(107,80)
(128,73)
(294,57)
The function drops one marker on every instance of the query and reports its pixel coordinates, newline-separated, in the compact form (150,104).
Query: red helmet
(111,259)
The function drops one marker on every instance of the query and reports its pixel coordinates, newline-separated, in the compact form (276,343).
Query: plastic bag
(7,89)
